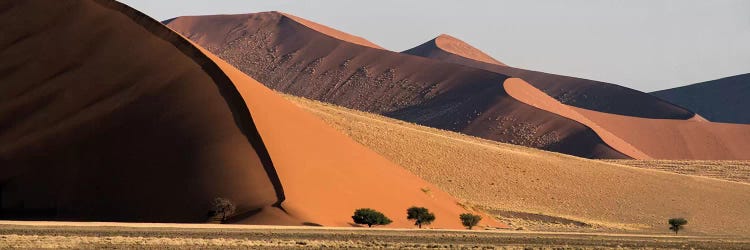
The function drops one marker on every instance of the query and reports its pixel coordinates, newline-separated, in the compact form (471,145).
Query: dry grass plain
(83,235)
(738,171)
(539,190)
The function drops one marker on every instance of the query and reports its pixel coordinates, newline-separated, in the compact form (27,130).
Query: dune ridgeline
(107,115)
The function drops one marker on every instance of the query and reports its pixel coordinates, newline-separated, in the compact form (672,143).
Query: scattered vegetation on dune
(578,193)
(738,171)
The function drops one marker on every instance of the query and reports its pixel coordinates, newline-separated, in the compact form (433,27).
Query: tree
(222,208)
(676,224)
(470,220)
(369,217)
(420,216)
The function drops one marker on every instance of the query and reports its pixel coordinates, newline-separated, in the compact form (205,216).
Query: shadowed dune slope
(505,177)
(721,100)
(291,57)
(645,138)
(582,93)
(121,119)
(451,49)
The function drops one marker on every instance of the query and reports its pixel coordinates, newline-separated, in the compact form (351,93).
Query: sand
(290,57)
(643,138)
(547,186)
(451,49)
(721,100)
(578,92)
(126,120)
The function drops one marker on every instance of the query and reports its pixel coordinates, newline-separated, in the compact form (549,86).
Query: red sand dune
(643,138)
(582,93)
(105,114)
(451,49)
(720,100)
(288,56)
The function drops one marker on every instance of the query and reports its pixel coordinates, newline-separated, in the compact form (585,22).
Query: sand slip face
(582,93)
(455,46)
(127,121)
(720,100)
(292,58)
(643,138)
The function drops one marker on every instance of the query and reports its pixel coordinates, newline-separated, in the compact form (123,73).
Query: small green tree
(676,224)
(470,220)
(420,216)
(369,217)
(222,208)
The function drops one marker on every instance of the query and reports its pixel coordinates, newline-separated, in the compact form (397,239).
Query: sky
(642,44)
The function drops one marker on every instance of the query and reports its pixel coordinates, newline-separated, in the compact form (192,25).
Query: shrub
(222,208)
(420,216)
(470,220)
(369,217)
(676,224)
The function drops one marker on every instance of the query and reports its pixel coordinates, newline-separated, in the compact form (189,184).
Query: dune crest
(456,46)
(643,138)
(295,59)
(720,100)
(332,32)
(523,91)
(582,93)
(128,121)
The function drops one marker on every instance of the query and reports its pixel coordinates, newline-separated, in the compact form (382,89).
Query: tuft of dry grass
(505,177)
(738,171)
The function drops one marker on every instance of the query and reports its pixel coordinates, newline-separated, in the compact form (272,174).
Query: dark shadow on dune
(235,102)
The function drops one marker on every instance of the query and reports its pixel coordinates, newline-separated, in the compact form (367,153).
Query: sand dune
(291,57)
(721,100)
(582,93)
(451,49)
(509,178)
(121,119)
(643,138)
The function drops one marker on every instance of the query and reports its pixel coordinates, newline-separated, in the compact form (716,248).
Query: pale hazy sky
(643,44)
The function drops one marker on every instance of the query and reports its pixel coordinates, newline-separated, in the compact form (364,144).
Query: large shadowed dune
(721,100)
(288,55)
(106,114)
(582,93)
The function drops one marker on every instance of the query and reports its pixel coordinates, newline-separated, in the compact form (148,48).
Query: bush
(369,217)
(470,220)
(420,216)
(222,208)
(676,224)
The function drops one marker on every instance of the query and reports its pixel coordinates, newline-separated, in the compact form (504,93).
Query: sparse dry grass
(497,176)
(738,171)
(54,235)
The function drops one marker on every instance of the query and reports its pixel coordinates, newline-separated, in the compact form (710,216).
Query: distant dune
(288,56)
(582,93)
(644,138)
(721,100)
(106,114)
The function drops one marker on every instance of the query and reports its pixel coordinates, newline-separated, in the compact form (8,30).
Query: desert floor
(19,234)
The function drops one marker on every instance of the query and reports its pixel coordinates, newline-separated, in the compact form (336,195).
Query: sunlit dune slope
(451,49)
(643,138)
(106,114)
(506,177)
